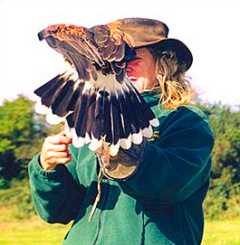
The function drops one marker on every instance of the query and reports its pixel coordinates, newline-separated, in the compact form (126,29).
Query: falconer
(151,193)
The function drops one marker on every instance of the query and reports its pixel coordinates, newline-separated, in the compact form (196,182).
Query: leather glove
(124,164)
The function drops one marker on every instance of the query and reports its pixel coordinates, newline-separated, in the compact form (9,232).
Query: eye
(134,62)
(136,58)
(51,41)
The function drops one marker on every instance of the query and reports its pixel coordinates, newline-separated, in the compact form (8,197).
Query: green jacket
(160,204)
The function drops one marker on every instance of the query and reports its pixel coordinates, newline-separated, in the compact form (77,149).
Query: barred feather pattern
(97,111)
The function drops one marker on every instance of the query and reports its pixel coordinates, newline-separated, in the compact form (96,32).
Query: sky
(209,28)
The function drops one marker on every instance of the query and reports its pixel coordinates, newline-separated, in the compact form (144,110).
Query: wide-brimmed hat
(143,32)
(183,54)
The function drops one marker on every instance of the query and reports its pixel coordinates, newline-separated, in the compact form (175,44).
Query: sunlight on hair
(175,89)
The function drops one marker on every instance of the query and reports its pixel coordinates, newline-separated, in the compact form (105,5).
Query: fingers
(55,155)
(55,151)
(59,139)
(55,161)
(58,148)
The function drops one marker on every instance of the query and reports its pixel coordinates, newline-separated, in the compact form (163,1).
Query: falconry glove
(124,164)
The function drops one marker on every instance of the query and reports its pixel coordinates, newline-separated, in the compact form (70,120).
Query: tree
(224,196)
(16,130)
(22,132)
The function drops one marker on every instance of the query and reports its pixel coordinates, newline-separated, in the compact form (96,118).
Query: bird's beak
(41,35)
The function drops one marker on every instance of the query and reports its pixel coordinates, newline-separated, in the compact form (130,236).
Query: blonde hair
(175,88)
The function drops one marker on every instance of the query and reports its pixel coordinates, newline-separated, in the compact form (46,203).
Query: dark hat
(143,32)
(183,54)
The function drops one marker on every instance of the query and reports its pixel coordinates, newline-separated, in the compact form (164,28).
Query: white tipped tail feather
(97,111)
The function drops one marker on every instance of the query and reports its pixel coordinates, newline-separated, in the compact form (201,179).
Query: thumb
(64,138)
(66,131)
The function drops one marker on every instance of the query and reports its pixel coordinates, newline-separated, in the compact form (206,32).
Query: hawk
(95,96)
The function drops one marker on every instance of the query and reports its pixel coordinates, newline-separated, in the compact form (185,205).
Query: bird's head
(59,34)
(61,38)
(51,35)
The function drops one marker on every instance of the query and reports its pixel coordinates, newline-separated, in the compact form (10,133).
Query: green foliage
(4,184)
(16,122)
(5,144)
(223,199)
(16,130)
(21,136)
(9,166)
(16,200)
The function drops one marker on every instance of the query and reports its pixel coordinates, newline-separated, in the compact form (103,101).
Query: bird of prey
(95,97)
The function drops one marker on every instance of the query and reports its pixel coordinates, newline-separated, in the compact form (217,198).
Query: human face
(141,71)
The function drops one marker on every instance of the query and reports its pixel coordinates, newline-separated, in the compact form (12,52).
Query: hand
(55,151)
(123,164)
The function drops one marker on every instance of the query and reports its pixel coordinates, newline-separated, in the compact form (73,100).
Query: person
(160,202)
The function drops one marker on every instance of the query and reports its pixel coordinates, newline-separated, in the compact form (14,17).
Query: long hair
(175,88)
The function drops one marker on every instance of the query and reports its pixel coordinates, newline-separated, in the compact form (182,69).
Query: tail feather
(116,125)
(70,120)
(98,115)
(86,117)
(61,102)
(91,120)
(51,90)
(73,100)
(89,115)
(145,111)
(139,117)
(135,124)
(54,82)
(123,115)
(78,113)
(107,121)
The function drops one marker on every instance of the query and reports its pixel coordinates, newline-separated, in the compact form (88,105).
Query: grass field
(36,232)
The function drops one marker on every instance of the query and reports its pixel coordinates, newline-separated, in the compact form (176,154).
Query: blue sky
(209,28)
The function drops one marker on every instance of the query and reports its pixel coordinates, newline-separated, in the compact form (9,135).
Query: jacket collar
(152,98)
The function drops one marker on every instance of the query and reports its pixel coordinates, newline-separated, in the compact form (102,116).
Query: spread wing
(95,98)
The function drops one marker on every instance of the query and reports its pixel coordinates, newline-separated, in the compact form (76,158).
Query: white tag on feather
(126,143)
(95,144)
(137,138)
(155,122)
(114,149)
(78,141)
(148,132)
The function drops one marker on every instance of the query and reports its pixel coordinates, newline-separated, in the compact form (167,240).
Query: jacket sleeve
(178,163)
(56,194)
